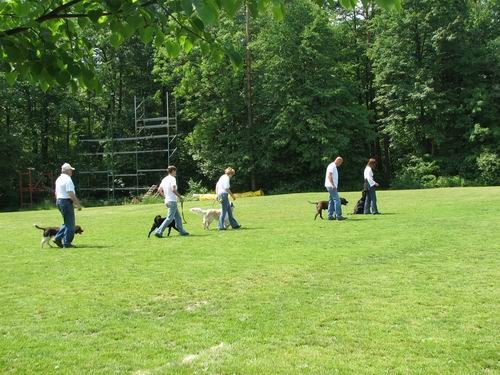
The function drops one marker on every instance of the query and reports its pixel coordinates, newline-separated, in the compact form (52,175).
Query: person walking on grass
(369,186)
(222,189)
(66,200)
(332,185)
(168,190)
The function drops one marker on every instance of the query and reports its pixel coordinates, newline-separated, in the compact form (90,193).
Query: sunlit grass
(414,290)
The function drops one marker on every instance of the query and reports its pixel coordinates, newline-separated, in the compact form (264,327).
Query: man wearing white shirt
(65,199)
(332,184)
(369,187)
(168,189)
(222,189)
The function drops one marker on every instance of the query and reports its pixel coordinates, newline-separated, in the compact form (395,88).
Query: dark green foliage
(417,89)
(48,42)
(436,74)
(304,108)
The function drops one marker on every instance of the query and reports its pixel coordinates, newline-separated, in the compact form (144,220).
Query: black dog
(323,205)
(360,206)
(159,221)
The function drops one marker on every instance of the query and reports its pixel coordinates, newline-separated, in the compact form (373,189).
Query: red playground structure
(32,185)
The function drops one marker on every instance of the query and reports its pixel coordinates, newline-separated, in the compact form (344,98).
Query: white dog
(210,215)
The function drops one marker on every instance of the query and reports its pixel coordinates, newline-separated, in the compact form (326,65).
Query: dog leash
(182,212)
(216,199)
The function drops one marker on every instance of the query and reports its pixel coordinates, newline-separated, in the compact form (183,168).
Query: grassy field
(415,290)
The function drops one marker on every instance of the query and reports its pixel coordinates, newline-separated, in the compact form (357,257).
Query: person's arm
(75,200)
(330,178)
(370,179)
(174,190)
(161,191)
(228,190)
(231,194)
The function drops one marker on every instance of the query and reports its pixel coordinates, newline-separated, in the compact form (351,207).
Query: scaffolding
(151,148)
(34,183)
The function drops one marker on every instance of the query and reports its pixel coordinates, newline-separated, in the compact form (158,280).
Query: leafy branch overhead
(51,42)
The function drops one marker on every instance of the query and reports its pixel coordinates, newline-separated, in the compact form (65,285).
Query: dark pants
(371,201)
(67,231)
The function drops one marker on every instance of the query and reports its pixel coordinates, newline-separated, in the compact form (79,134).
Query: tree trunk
(248,36)
(44,134)
(67,134)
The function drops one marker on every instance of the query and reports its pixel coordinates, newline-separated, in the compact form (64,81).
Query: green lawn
(415,290)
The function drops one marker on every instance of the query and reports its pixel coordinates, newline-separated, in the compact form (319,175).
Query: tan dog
(210,215)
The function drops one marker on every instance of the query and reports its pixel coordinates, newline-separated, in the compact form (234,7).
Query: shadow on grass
(86,246)
(243,228)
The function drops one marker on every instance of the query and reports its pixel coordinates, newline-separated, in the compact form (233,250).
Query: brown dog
(50,232)
(323,205)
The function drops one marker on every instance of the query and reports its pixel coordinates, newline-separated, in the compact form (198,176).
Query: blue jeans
(334,205)
(371,201)
(226,210)
(173,214)
(67,231)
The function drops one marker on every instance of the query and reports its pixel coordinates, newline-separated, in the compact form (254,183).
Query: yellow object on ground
(211,197)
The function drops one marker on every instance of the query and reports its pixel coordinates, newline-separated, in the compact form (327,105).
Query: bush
(489,168)
(416,173)
(195,187)
(293,187)
(449,181)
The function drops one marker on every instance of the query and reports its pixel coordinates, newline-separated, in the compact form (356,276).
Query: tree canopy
(51,42)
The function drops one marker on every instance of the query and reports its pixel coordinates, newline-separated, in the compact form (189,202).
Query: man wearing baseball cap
(65,199)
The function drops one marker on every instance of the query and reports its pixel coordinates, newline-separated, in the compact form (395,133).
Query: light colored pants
(173,214)
(334,205)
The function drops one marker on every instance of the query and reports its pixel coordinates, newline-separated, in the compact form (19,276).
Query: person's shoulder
(63,178)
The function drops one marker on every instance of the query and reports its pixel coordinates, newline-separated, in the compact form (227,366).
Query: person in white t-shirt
(222,189)
(65,200)
(168,189)
(332,186)
(369,186)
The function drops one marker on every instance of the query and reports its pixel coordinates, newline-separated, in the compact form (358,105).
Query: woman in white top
(369,187)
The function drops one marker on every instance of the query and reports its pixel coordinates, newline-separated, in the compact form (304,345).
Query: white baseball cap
(66,167)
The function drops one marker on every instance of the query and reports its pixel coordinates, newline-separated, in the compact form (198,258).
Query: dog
(360,206)
(210,215)
(50,232)
(323,205)
(158,220)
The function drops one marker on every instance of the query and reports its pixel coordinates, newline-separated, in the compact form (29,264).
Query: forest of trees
(418,89)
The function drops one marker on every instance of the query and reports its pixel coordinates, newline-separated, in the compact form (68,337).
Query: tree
(49,42)
(303,104)
(436,80)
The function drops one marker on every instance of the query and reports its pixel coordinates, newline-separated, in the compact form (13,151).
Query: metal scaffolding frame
(34,183)
(154,129)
